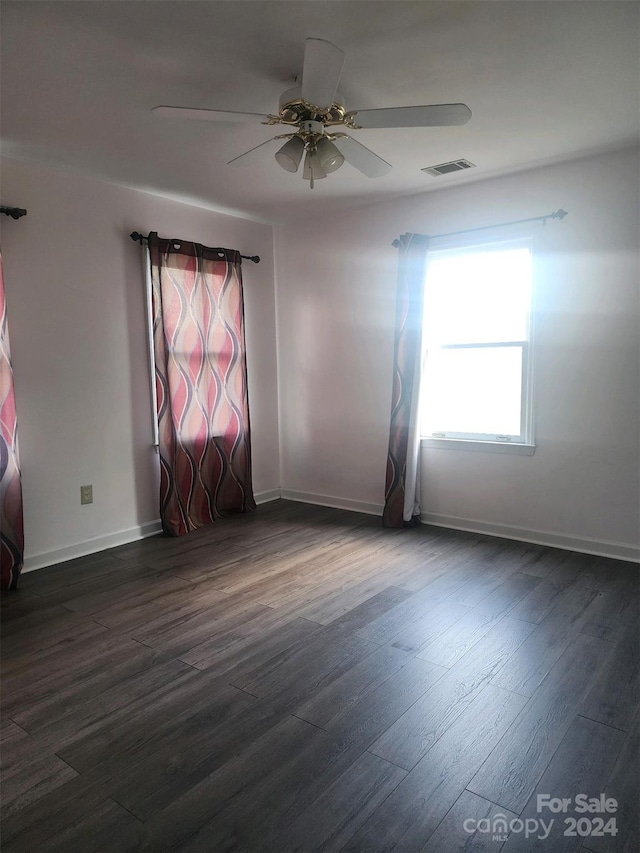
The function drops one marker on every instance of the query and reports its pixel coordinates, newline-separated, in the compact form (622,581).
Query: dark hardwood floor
(299,679)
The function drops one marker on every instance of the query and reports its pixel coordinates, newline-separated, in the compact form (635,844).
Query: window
(476,383)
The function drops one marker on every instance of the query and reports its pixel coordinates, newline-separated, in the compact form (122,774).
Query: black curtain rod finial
(13,212)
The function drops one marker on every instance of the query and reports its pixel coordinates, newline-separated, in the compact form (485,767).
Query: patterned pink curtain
(201,381)
(402,489)
(11,529)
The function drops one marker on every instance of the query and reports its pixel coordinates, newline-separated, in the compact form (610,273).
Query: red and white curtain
(201,383)
(402,487)
(11,524)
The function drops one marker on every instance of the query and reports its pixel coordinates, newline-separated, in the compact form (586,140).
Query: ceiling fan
(316,111)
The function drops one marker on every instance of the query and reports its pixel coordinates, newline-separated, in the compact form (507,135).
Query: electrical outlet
(86,494)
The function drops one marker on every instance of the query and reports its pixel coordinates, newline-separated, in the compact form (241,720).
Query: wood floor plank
(608,614)
(163,717)
(412,813)
(356,683)
(419,634)
(510,774)
(160,779)
(94,571)
(390,624)
(40,627)
(108,828)
(475,590)
(537,604)
(126,596)
(70,672)
(30,770)
(24,607)
(255,639)
(527,669)
(338,813)
(173,604)
(55,703)
(46,819)
(623,786)
(411,568)
(22,652)
(581,765)
(609,575)
(233,735)
(319,658)
(540,561)
(306,598)
(255,819)
(335,605)
(95,578)
(449,646)
(372,714)
(178,633)
(414,733)
(264,576)
(359,615)
(480,817)
(90,713)
(615,696)
(180,822)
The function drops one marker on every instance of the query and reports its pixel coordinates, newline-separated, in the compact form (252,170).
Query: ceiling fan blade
(321,72)
(207,115)
(364,160)
(433,115)
(249,157)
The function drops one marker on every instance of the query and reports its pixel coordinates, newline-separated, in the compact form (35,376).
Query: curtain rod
(14,212)
(557,214)
(140,238)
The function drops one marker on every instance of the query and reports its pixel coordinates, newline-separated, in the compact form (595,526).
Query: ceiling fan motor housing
(293,109)
(311,126)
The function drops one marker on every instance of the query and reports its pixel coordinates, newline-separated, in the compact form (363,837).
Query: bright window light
(476,371)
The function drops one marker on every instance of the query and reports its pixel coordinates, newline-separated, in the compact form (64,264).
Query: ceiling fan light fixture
(329,156)
(290,154)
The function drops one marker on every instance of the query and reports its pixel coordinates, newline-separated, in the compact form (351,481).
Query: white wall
(335,296)
(74,286)
(76,312)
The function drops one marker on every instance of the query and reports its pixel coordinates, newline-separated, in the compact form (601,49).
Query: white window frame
(523,444)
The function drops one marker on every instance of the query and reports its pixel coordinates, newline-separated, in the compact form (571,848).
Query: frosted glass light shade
(290,154)
(330,158)
(313,167)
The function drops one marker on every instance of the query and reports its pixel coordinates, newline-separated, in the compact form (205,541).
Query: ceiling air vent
(447,168)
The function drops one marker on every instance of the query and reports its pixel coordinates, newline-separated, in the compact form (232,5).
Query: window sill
(482,446)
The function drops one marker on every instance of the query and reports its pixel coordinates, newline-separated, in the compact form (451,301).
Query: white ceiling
(546,81)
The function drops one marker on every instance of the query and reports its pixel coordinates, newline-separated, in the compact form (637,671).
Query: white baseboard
(112,540)
(91,546)
(615,550)
(334,503)
(583,544)
(269,495)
